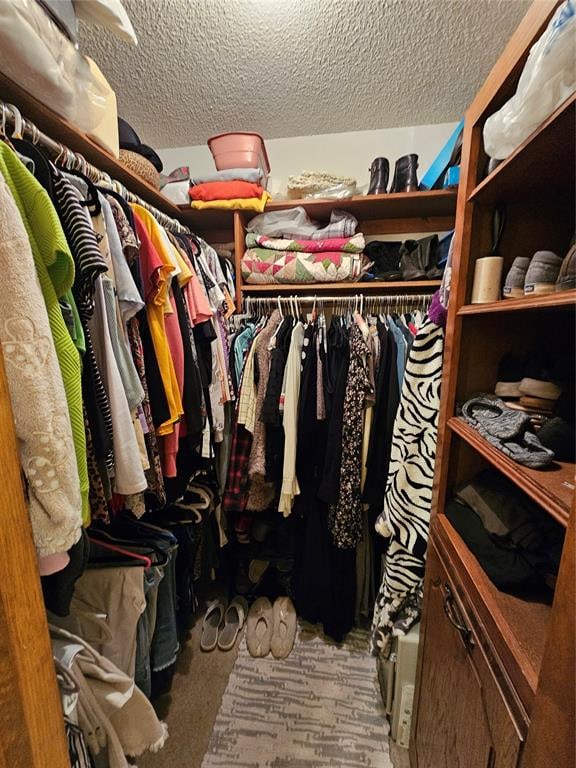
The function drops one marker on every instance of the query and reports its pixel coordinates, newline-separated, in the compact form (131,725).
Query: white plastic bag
(35,54)
(548,78)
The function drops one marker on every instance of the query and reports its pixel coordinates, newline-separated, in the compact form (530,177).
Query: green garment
(55,270)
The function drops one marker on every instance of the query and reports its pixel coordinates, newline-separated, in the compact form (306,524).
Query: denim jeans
(145,631)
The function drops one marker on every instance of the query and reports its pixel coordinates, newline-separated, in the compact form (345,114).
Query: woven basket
(140,166)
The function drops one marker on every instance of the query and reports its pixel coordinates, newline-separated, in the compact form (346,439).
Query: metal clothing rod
(346,299)
(24,128)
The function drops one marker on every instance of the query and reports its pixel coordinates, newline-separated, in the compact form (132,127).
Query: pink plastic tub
(239,150)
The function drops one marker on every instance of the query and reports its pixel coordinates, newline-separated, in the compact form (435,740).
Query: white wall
(348,154)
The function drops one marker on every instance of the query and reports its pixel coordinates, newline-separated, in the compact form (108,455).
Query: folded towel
(354,244)
(224,190)
(255,175)
(240,203)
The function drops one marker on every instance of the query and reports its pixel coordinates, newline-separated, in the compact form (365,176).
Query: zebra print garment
(408,497)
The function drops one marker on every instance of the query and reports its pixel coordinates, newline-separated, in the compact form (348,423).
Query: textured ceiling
(299,67)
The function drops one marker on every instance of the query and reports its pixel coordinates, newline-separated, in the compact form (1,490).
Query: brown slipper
(259,628)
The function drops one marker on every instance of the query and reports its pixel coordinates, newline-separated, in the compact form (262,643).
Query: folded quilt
(240,203)
(255,175)
(266,266)
(353,244)
(225,190)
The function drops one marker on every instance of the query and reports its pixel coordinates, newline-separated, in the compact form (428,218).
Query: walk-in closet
(287,384)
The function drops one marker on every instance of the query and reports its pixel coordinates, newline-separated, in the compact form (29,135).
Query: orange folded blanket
(224,190)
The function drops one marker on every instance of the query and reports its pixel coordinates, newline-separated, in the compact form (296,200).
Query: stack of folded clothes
(234,188)
(282,251)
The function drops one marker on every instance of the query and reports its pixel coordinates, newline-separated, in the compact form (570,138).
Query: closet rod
(346,299)
(24,128)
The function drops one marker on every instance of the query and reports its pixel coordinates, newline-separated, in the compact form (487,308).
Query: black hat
(130,140)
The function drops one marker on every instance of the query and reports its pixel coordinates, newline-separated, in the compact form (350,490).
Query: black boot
(405,178)
(379,172)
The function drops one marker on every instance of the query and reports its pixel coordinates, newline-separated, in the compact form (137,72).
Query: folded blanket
(224,190)
(255,175)
(294,223)
(353,244)
(266,266)
(240,203)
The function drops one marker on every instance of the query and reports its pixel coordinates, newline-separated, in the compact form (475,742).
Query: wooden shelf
(551,487)
(559,299)
(360,287)
(207,219)
(541,165)
(60,129)
(517,625)
(402,213)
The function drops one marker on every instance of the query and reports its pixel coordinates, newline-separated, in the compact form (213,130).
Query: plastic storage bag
(35,54)
(548,78)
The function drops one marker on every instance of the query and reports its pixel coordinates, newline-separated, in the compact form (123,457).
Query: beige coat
(37,393)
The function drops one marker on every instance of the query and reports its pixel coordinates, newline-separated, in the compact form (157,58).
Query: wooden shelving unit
(394,214)
(543,162)
(518,643)
(553,488)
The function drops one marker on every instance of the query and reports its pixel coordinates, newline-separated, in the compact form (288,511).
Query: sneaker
(542,273)
(567,275)
(516,277)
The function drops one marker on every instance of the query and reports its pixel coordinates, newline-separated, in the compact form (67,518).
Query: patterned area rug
(319,707)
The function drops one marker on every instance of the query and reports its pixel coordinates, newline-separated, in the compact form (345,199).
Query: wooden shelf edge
(417,205)
(559,299)
(517,473)
(516,156)
(372,286)
(61,129)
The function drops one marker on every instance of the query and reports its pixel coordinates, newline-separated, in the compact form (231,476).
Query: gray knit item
(507,430)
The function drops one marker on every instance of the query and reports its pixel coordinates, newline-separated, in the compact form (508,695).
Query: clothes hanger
(121,551)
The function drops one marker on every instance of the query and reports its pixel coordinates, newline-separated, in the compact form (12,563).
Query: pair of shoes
(410,260)
(544,273)
(419,259)
(529,382)
(271,628)
(405,177)
(222,624)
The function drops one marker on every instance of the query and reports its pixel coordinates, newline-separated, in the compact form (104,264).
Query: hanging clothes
(408,498)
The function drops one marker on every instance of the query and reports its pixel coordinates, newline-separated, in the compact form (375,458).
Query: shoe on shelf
(516,278)
(411,263)
(405,176)
(542,273)
(567,276)
(537,403)
(386,258)
(211,625)
(540,388)
(259,628)
(508,430)
(284,631)
(379,172)
(234,619)
(511,371)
